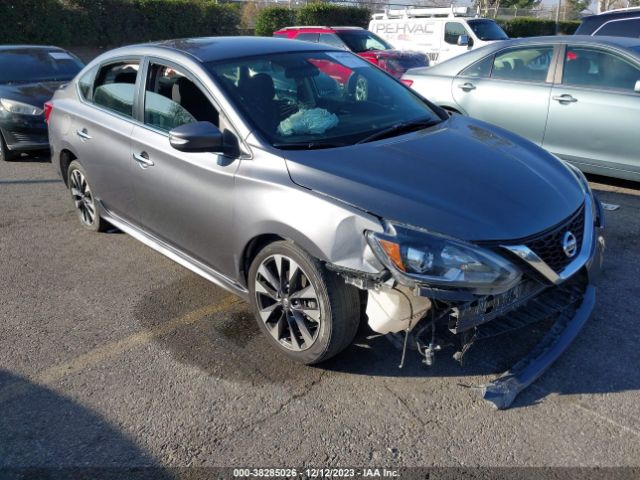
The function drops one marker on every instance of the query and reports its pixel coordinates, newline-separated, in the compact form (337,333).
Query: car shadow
(44,435)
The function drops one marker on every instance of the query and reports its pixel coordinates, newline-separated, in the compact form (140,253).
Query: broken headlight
(442,261)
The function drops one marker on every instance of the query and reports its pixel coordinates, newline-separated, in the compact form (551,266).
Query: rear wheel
(6,154)
(84,201)
(307,312)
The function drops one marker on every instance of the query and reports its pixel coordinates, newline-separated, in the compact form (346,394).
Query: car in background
(228,156)
(362,42)
(576,96)
(623,22)
(440,32)
(29,75)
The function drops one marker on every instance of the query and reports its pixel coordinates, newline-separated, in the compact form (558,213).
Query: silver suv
(261,165)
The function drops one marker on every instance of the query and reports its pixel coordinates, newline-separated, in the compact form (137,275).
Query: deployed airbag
(308,121)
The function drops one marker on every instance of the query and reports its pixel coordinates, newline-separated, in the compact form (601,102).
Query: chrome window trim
(529,256)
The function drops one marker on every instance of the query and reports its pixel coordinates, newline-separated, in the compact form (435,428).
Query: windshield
(35,65)
(487,30)
(317,99)
(363,41)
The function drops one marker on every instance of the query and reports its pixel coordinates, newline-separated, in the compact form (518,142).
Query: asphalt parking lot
(112,355)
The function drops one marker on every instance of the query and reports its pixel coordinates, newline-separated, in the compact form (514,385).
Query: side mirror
(637,87)
(463,40)
(197,137)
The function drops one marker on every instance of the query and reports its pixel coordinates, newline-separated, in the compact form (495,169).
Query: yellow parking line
(97,355)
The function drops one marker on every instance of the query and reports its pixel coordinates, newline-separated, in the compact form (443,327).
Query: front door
(449,46)
(184,199)
(594,112)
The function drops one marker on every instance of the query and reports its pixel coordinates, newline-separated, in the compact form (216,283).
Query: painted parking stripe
(112,349)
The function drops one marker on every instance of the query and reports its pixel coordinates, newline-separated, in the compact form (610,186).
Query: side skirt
(168,251)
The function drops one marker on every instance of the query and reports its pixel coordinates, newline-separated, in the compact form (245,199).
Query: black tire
(84,201)
(6,154)
(338,305)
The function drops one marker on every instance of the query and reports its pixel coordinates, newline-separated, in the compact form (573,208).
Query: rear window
(37,65)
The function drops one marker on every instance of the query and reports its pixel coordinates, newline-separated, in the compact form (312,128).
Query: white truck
(441,33)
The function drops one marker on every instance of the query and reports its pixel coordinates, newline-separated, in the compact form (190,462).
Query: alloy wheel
(287,302)
(82,197)
(362,89)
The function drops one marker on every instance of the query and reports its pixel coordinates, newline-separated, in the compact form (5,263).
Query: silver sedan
(576,96)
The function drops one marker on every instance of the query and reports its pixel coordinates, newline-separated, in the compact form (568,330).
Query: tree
(519,3)
(575,7)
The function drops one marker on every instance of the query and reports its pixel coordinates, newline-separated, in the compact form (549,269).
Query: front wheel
(307,312)
(85,202)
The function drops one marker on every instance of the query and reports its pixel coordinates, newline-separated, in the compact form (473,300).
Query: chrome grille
(548,246)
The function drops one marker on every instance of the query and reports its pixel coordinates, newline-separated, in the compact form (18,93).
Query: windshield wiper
(307,145)
(398,128)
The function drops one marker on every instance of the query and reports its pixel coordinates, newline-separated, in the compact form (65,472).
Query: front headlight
(442,261)
(13,106)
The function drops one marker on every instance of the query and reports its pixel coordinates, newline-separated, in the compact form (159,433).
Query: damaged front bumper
(551,287)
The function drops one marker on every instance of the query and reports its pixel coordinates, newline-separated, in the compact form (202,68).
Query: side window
(523,65)
(480,69)
(308,37)
(115,86)
(452,30)
(85,82)
(621,28)
(332,39)
(595,68)
(172,100)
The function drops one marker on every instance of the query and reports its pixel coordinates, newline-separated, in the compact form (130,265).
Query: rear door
(103,127)
(594,111)
(510,89)
(184,199)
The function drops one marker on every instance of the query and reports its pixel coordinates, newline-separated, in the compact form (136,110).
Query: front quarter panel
(267,202)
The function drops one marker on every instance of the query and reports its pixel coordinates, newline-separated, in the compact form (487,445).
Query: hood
(32,93)
(461,178)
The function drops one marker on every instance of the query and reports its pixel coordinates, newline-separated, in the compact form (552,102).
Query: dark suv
(624,22)
(363,43)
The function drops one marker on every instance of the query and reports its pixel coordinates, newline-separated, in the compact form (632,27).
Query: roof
(209,49)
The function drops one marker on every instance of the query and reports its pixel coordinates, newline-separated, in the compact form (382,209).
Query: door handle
(467,87)
(566,98)
(143,160)
(83,134)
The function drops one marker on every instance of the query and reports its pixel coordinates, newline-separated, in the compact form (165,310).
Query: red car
(362,42)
